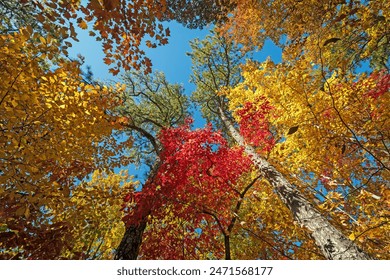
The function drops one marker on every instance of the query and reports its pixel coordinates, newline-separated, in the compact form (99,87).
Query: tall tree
(338,154)
(195,202)
(324,105)
(149,104)
(332,242)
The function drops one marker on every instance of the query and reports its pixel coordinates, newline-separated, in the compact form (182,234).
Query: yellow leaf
(34,169)
(29,29)
(20,212)
(83,25)
(27,212)
(352,236)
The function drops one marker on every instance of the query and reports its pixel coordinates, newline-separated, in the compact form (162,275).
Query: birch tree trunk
(333,244)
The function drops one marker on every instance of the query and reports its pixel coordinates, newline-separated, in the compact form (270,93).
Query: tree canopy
(293,163)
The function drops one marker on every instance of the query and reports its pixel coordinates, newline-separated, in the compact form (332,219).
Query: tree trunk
(131,242)
(333,244)
(227,247)
(132,239)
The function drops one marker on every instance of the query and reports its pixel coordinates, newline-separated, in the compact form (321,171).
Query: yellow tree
(334,140)
(54,130)
(93,215)
(331,121)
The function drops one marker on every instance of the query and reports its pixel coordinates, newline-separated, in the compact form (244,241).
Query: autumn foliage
(53,126)
(293,165)
(193,186)
(254,126)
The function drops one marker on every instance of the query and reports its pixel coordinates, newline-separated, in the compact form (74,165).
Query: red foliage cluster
(196,180)
(198,168)
(254,126)
(27,237)
(382,84)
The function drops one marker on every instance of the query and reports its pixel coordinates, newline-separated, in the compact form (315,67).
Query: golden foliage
(331,121)
(54,130)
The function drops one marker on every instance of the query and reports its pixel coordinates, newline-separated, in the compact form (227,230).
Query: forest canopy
(293,162)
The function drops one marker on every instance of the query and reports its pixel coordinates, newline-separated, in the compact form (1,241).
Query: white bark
(333,243)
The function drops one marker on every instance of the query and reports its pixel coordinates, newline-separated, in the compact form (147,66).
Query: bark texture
(131,242)
(333,243)
(132,239)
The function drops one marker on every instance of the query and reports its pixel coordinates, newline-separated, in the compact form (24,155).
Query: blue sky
(171,58)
